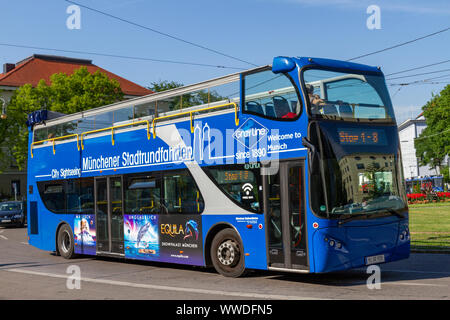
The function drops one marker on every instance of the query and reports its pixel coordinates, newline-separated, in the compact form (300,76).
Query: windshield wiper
(355,217)
(367,214)
(395,213)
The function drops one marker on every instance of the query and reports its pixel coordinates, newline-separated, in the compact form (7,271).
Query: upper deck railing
(147,112)
(131,123)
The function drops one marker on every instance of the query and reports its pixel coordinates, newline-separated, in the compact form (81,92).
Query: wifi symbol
(247,188)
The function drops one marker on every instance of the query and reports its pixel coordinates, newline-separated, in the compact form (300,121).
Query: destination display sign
(353,136)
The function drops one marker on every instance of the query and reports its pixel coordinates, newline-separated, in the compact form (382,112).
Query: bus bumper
(341,248)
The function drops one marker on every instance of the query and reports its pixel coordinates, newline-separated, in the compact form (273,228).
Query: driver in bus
(315,99)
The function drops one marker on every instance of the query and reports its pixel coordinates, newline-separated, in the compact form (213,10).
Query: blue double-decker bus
(293,166)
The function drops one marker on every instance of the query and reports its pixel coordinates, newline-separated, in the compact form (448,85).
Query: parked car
(13,213)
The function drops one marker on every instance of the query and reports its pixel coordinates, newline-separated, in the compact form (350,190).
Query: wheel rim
(228,253)
(66,241)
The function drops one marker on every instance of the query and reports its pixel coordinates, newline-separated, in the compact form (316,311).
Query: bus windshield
(358,172)
(347,96)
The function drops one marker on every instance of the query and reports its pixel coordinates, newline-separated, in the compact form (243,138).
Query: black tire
(22,224)
(65,242)
(227,253)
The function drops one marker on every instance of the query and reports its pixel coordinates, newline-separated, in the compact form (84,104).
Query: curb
(430,250)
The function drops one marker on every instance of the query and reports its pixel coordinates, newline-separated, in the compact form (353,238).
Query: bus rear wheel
(65,242)
(227,254)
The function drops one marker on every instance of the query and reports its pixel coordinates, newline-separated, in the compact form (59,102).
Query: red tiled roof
(37,67)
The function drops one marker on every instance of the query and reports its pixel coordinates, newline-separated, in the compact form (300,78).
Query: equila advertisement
(171,238)
(175,239)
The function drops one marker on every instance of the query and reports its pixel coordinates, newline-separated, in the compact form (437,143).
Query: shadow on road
(16,264)
(347,278)
(354,277)
(420,267)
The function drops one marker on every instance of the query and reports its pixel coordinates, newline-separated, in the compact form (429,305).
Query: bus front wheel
(227,253)
(65,242)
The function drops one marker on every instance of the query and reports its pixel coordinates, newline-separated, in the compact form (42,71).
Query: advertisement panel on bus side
(85,234)
(172,238)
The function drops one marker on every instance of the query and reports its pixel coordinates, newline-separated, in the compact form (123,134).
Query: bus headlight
(404,234)
(333,243)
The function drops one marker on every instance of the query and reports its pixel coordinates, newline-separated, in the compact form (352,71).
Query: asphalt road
(29,273)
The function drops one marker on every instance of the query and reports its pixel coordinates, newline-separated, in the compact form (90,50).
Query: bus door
(284,193)
(109,214)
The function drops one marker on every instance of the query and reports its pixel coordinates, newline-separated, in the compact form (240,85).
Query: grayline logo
(74,20)
(250,133)
(374,20)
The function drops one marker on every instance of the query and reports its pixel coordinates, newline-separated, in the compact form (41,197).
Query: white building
(408,131)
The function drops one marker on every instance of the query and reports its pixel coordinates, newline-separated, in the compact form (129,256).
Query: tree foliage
(187,99)
(433,144)
(66,94)
(164,85)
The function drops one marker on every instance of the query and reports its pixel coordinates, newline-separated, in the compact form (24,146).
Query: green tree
(66,94)
(188,99)
(164,85)
(433,144)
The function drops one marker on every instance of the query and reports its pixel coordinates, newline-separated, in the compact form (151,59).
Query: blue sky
(252,30)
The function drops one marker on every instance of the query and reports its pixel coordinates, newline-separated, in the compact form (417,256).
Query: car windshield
(9,206)
(347,96)
(360,168)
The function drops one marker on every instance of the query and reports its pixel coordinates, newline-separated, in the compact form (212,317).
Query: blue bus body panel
(348,246)
(336,64)
(250,228)
(66,162)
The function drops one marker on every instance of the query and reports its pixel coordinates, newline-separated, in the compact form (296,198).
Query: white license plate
(375,259)
(6,221)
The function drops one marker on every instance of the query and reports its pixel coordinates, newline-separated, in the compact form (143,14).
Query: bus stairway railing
(80,137)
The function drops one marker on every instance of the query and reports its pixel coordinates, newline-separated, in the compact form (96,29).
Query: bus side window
(53,195)
(181,194)
(80,195)
(142,194)
(68,196)
(270,95)
(239,183)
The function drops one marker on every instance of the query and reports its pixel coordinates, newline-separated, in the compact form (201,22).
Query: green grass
(430,225)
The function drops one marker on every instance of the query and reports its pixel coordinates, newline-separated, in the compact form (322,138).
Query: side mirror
(282,64)
(312,154)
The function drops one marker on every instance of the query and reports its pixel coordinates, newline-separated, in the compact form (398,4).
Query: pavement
(27,273)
